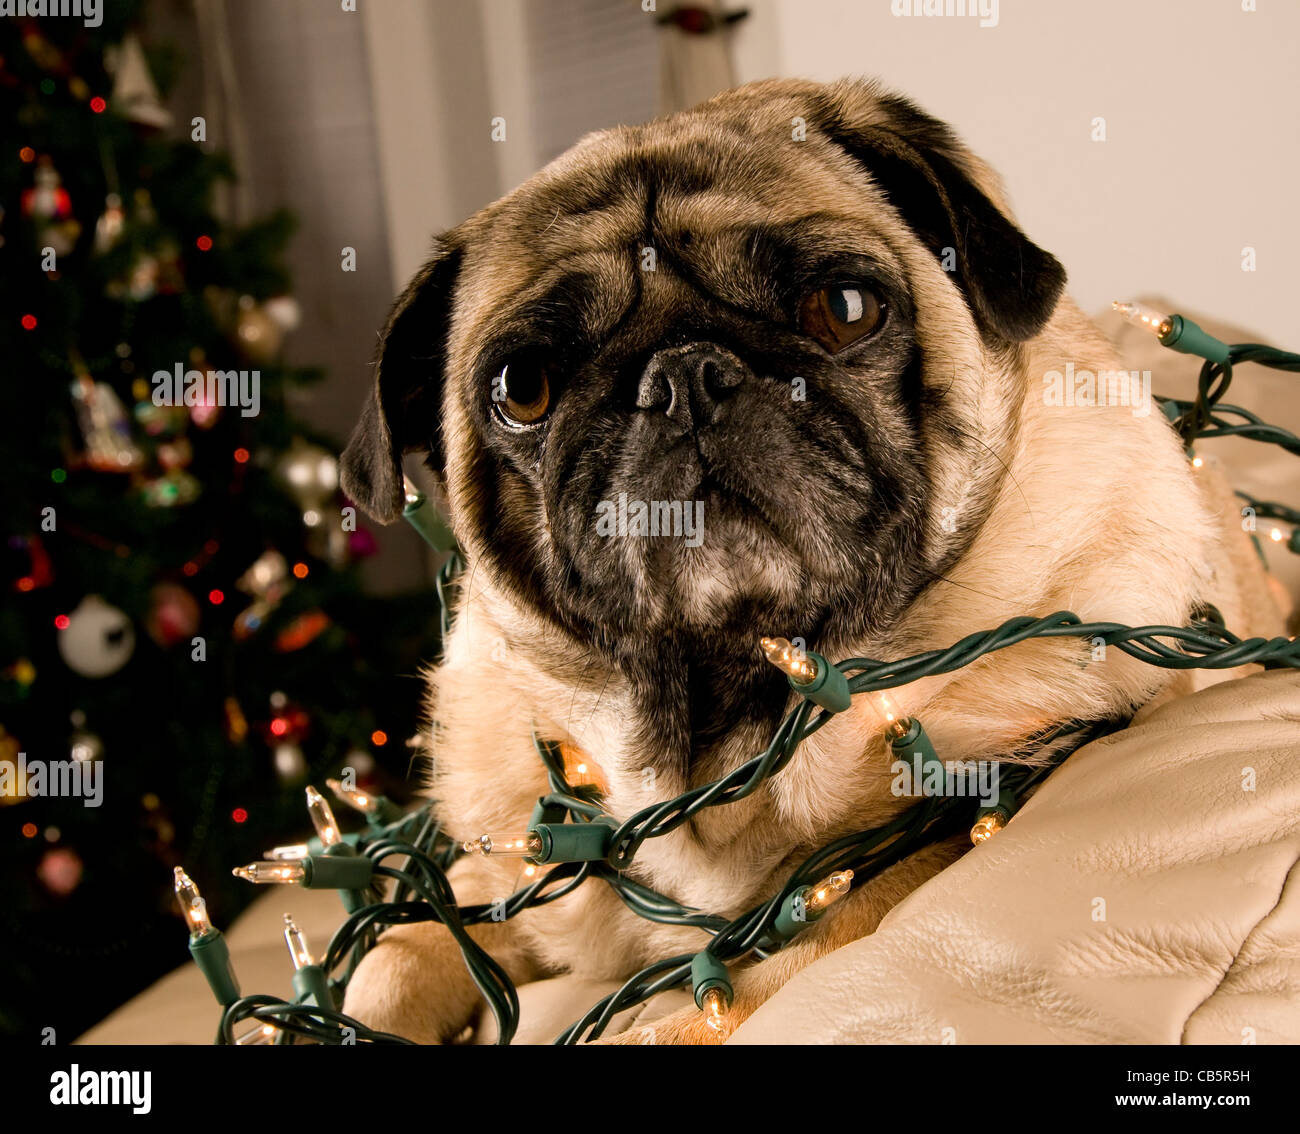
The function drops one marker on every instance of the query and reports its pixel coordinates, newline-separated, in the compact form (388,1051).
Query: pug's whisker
(935,576)
(1005,468)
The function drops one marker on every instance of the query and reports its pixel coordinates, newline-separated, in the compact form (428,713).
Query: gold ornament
(259,335)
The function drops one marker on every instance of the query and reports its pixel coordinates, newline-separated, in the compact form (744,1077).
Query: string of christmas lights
(570,832)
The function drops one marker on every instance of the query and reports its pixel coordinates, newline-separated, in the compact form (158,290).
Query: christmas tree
(184,643)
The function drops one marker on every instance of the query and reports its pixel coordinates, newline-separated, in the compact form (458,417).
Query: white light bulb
(827,892)
(525,844)
(192,904)
(714,1005)
(298,950)
(789,659)
(322,817)
(1146,317)
(893,719)
(353,798)
(279,873)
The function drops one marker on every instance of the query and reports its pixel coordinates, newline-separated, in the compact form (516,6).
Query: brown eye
(522,393)
(840,315)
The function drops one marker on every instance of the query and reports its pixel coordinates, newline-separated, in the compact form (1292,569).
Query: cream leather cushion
(1144,895)
(1200,942)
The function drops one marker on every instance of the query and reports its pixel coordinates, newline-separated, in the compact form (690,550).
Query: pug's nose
(689,382)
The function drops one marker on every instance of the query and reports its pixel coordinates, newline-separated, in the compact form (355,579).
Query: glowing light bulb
(790,660)
(192,904)
(290,853)
(527,844)
(353,798)
(579,769)
(713,1002)
(322,817)
(986,826)
(280,873)
(1276,535)
(894,720)
(1198,463)
(265,1034)
(297,943)
(1141,315)
(827,892)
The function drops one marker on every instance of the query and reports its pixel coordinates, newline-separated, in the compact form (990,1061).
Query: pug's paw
(686,1026)
(413,983)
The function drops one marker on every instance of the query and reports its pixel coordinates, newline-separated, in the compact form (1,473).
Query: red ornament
(173,615)
(39,571)
(47,200)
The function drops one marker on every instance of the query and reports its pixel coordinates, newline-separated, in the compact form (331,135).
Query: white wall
(1202,156)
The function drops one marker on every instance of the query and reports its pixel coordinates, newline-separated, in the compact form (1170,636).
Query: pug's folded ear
(1011,285)
(403,412)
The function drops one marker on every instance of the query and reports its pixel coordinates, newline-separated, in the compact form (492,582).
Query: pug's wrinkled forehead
(737,204)
(650,221)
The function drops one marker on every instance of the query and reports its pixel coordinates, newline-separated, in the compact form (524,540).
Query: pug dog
(805,313)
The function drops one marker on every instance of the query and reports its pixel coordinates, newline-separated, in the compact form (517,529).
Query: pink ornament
(361,543)
(60,870)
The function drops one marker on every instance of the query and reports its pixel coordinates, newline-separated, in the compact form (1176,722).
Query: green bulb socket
(385,812)
(829,689)
(708,972)
(1006,805)
(574,842)
(794,916)
(428,521)
(915,743)
(336,870)
(311,984)
(1186,337)
(352,900)
(1293,544)
(212,955)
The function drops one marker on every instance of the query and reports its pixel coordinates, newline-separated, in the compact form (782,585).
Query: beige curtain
(695,55)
